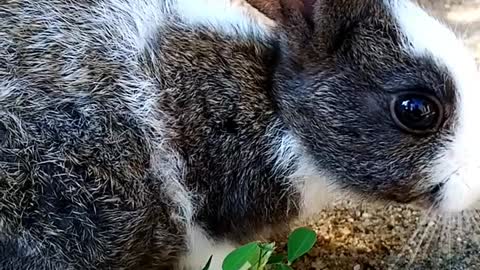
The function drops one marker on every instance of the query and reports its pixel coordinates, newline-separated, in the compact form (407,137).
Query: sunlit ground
(393,237)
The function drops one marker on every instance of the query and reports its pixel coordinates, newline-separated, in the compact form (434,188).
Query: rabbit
(152,134)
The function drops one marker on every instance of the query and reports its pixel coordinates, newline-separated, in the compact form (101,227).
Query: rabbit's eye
(417,113)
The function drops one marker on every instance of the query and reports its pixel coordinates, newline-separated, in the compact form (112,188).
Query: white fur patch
(201,248)
(459,166)
(136,21)
(139,20)
(317,190)
(230,16)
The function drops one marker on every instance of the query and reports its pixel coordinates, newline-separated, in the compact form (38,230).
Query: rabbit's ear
(281,11)
(307,9)
(332,21)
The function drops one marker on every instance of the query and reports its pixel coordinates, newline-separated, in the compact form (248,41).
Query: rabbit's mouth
(433,196)
(430,199)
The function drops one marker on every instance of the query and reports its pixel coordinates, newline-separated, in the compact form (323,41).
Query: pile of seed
(391,237)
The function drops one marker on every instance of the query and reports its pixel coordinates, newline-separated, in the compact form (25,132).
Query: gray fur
(111,149)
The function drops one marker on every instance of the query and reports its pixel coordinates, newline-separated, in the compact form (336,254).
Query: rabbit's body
(127,129)
(146,134)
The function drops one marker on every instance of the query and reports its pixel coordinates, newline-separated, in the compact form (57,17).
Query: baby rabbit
(151,134)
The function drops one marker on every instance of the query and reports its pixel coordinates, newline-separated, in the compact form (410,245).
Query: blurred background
(368,236)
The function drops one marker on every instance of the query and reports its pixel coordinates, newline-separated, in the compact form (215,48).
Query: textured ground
(395,237)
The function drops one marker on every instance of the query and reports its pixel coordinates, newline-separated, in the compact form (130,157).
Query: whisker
(445,179)
(406,246)
(449,236)
(458,231)
(428,243)
(476,225)
(472,221)
(441,241)
(422,238)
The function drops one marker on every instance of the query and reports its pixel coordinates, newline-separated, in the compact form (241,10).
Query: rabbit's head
(383,97)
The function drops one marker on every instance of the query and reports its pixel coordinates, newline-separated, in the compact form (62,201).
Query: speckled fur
(79,126)
(124,126)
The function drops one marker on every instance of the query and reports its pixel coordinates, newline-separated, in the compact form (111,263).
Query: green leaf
(266,251)
(207,266)
(299,243)
(281,266)
(242,258)
(269,246)
(277,258)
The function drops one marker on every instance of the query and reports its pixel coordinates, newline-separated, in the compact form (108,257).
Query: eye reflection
(417,113)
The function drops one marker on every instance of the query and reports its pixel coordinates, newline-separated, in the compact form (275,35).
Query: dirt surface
(397,237)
